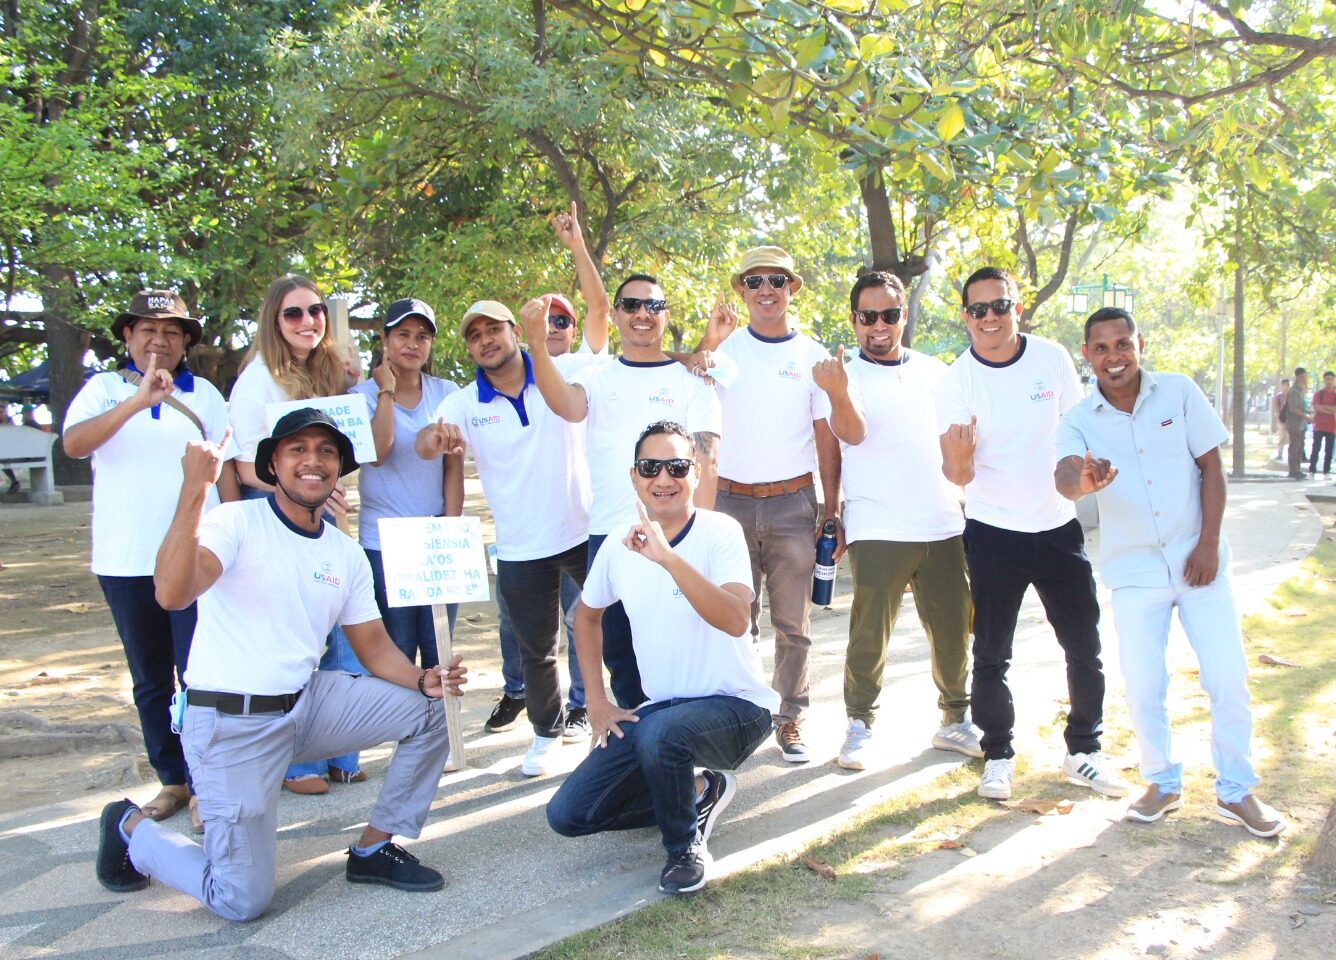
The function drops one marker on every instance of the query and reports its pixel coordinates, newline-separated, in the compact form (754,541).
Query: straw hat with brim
(492,309)
(158,305)
(296,422)
(775,258)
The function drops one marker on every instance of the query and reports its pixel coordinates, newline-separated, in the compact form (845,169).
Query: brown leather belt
(776,488)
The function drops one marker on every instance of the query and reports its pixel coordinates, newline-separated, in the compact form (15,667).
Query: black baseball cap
(401,310)
(296,422)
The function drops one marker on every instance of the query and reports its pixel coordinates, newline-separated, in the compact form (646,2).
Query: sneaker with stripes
(1094,770)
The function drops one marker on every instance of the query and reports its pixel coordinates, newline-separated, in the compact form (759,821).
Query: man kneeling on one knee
(272,578)
(684,577)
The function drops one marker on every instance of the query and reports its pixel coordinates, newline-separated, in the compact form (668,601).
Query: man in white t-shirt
(997,410)
(272,578)
(902,520)
(531,464)
(616,401)
(683,575)
(1148,446)
(775,421)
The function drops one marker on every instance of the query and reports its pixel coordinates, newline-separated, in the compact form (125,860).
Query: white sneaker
(542,756)
(961,737)
(856,744)
(1094,770)
(995,784)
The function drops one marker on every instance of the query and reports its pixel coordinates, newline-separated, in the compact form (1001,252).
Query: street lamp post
(1106,293)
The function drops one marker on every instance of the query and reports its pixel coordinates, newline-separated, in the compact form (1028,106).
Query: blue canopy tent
(33,386)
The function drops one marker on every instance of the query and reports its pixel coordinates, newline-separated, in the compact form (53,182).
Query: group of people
(665,491)
(1293,409)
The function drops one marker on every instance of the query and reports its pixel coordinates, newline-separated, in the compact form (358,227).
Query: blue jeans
(618,653)
(338,655)
(512,671)
(413,629)
(157,643)
(647,777)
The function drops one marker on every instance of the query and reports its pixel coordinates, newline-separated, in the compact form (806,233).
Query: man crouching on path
(272,579)
(684,577)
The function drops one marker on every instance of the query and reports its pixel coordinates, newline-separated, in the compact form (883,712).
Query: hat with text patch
(401,310)
(158,305)
(296,422)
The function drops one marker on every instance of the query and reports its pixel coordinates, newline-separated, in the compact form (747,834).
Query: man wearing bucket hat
(273,577)
(775,422)
(532,467)
(134,423)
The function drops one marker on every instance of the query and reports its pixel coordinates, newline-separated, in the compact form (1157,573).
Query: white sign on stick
(430,560)
(349,413)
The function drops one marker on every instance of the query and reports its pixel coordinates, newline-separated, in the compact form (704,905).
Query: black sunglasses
(295,313)
(559,320)
(776,280)
(677,467)
(1000,307)
(632,304)
(890,316)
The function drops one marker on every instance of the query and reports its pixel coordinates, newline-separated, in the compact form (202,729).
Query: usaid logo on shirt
(790,371)
(326,576)
(664,398)
(1042,392)
(485,421)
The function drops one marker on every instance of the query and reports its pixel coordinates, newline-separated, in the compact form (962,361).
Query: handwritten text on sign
(349,413)
(433,560)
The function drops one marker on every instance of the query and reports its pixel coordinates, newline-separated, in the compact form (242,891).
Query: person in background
(1298,415)
(1324,423)
(135,424)
(401,395)
(294,357)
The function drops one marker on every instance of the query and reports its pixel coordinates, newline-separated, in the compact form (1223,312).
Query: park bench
(31,448)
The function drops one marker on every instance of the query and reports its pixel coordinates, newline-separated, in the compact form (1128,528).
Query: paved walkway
(513,885)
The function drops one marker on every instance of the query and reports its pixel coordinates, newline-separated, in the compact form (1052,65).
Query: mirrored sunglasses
(677,467)
(632,304)
(776,280)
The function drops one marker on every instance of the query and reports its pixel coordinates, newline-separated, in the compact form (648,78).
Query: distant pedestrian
(1298,415)
(1324,423)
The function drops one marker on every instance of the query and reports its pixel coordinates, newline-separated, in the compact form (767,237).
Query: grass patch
(779,908)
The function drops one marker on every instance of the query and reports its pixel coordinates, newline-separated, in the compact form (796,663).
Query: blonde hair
(322,374)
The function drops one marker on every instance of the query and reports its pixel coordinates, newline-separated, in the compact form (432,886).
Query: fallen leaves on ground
(1270,661)
(1041,806)
(819,867)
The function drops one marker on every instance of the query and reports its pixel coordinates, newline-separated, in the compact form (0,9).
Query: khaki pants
(881,570)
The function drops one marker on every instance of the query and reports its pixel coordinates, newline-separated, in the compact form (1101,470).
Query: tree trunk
(886,254)
(1323,858)
(1240,391)
(65,346)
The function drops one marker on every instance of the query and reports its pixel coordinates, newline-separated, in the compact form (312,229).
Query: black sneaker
(504,714)
(114,869)
(684,873)
(577,725)
(393,866)
(720,785)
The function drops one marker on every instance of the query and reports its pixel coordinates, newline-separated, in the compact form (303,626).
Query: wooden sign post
(437,561)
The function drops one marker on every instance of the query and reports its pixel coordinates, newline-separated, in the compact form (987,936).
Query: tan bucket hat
(776,258)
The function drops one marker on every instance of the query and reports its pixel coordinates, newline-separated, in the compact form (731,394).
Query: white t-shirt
(254,390)
(893,484)
(531,463)
(679,654)
(1018,404)
(262,625)
(624,398)
(770,407)
(137,472)
(404,485)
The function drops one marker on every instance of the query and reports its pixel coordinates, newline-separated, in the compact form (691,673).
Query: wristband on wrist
(422,685)
(381,393)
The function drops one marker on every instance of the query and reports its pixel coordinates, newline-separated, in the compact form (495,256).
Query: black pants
(619,653)
(532,589)
(1320,438)
(1002,564)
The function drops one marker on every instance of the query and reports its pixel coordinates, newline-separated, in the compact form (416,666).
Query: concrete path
(513,885)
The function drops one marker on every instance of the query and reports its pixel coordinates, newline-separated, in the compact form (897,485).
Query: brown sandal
(169,800)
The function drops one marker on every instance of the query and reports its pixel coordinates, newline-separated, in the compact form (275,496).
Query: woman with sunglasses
(294,357)
(402,395)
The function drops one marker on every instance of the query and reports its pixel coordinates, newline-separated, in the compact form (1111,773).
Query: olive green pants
(881,571)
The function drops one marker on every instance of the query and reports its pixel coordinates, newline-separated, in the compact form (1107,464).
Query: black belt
(243,703)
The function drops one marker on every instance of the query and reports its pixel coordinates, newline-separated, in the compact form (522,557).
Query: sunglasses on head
(890,316)
(678,467)
(776,280)
(295,313)
(1000,307)
(560,320)
(632,304)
